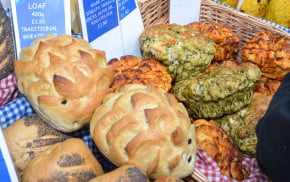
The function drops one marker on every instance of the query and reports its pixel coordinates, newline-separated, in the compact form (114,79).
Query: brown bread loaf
(70,160)
(29,136)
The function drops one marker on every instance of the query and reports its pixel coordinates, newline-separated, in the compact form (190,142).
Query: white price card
(7,170)
(34,19)
(112,26)
(183,12)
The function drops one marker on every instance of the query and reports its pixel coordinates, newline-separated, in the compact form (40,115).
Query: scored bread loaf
(7,48)
(64,80)
(70,160)
(27,137)
(146,127)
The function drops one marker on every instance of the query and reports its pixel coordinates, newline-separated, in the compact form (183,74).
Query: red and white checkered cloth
(8,89)
(204,164)
(209,168)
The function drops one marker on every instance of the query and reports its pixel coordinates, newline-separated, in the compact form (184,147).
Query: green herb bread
(223,88)
(181,48)
(241,125)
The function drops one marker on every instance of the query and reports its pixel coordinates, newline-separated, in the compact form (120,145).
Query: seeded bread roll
(7,48)
(70,160)
(126,173)
(64,80)
(27,137)
(146,127)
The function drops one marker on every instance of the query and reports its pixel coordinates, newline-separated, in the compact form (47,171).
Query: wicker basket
(154,12)
(244,25)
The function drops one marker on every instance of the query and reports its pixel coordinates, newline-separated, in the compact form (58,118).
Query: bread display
(146,127)
(271,52)
(7,48)
(70,160)
(27,137)
(241,125)
(64,80)
(216,143)
(226,41)
(223,88)
(126,173)
(145,71)
(184,50)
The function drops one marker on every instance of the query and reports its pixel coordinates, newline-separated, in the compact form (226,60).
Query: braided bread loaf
(64,80)
(146,127)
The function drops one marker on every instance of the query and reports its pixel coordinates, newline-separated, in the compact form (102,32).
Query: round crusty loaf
(146,127)
(7,48)
(27,137)
(64,80)
(70,160)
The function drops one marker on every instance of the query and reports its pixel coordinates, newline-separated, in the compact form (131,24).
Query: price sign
(111,25)
(34,19)
(100,17)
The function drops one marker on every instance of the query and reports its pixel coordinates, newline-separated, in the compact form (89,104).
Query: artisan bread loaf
(146,127)
(27,137)
(126,173)
(70,160)
(64,80)
(145,71)
(7,48)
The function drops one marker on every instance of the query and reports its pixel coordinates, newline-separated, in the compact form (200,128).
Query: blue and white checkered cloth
(20,107)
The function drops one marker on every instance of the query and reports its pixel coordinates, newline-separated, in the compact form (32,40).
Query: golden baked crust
(226,40)
(271,52)
(267,86)
(70,160)
(7,49)
(29,136)
(145,71)
(64,80)
(146,127)
(216,143)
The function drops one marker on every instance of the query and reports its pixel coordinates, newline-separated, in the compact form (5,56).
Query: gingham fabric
(20,107)
(8,91)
